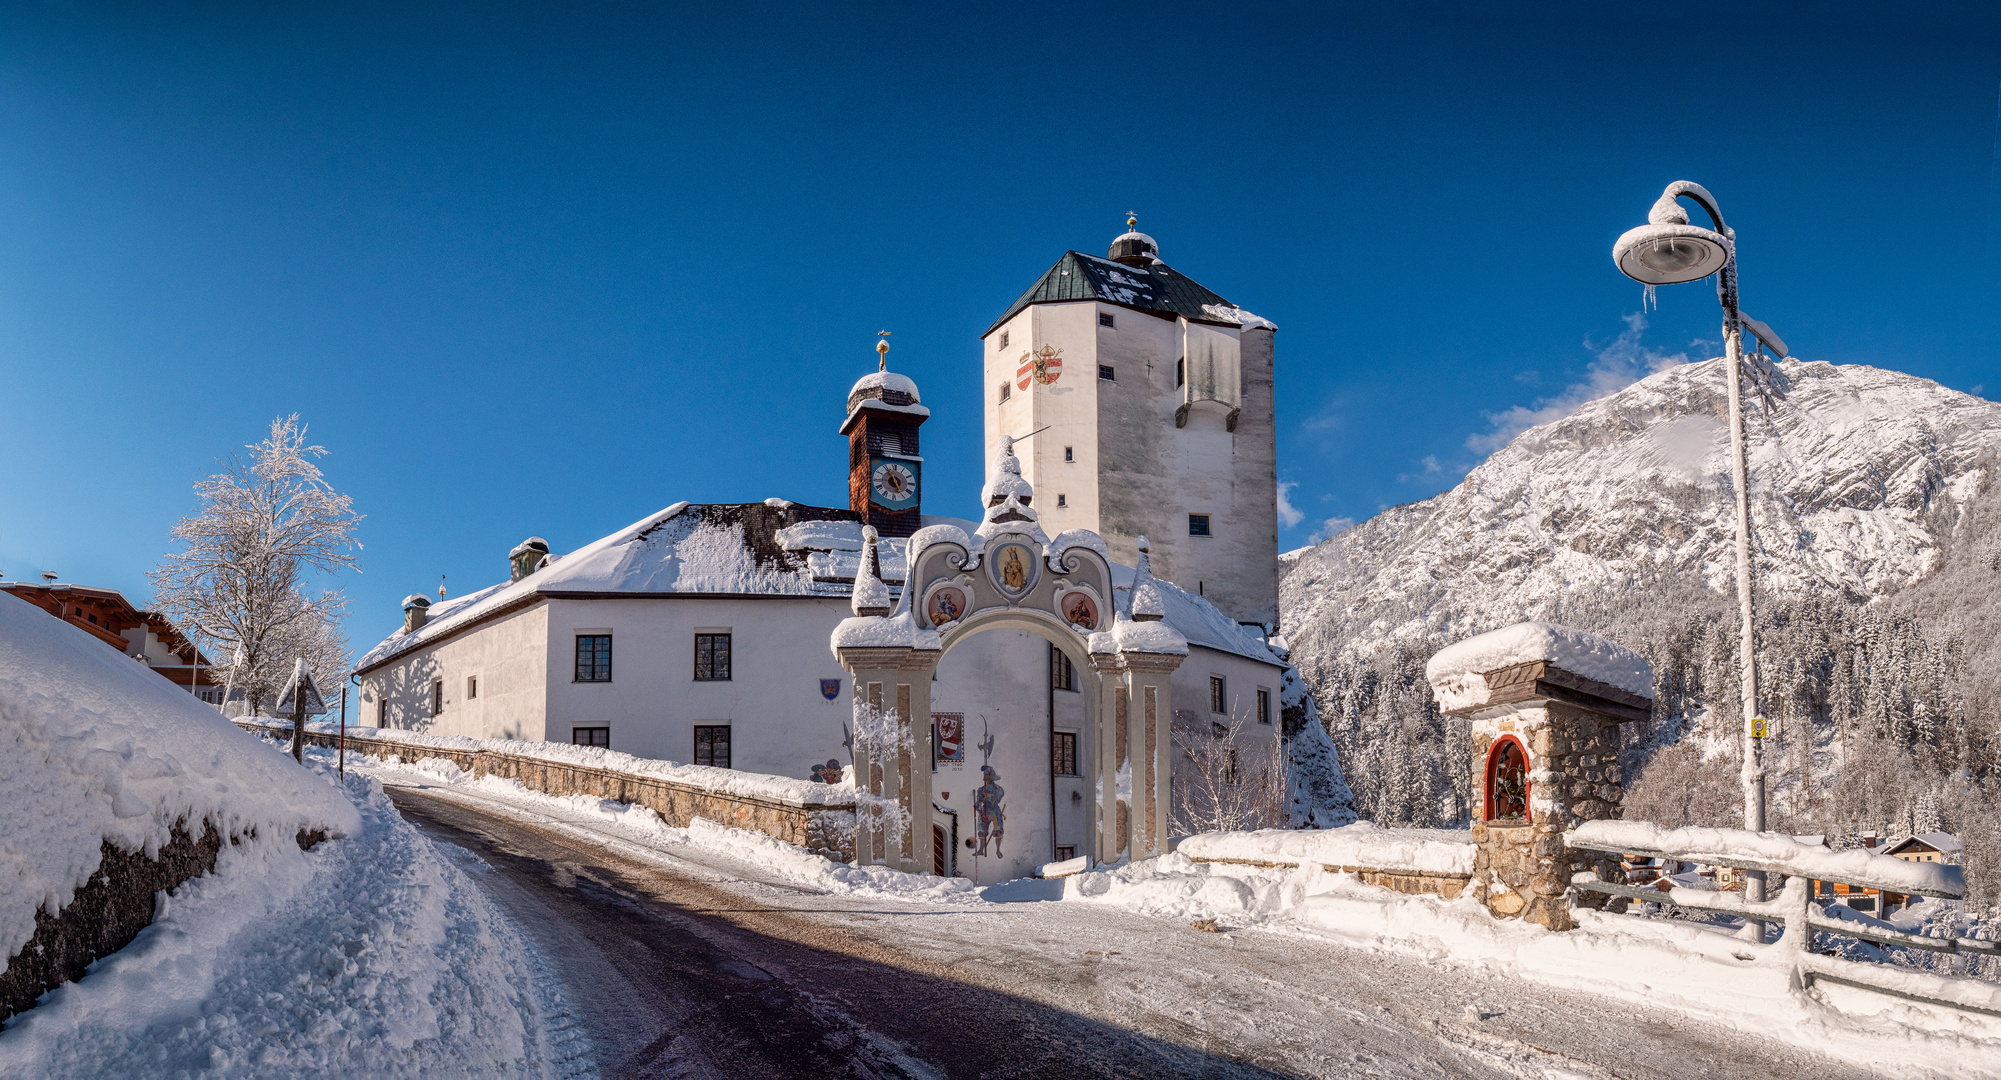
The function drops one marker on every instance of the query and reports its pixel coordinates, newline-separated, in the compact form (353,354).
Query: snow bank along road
(712,969)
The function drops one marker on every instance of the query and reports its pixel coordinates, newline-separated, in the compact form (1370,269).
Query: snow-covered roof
(1156,288)
(724,548)
(1938,841)
(874,383)
(1457,672)
(883,391)
(97,748)
(771,548)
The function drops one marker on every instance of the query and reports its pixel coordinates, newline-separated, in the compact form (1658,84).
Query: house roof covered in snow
(1943,843)
(1157,288)
(773,548)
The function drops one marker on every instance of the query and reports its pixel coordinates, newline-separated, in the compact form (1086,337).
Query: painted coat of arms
(1044,365)
(951,736)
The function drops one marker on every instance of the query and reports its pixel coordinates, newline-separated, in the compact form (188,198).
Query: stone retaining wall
(1448,886)
(823,830)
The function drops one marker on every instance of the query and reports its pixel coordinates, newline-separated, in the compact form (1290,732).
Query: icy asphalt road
(682,969)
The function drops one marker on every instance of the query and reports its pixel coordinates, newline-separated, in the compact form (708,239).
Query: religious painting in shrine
(1507,781)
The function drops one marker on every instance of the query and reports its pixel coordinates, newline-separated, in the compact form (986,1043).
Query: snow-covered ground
(1697,970)
(370,955)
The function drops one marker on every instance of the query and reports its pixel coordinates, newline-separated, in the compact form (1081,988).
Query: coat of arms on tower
(1044,365)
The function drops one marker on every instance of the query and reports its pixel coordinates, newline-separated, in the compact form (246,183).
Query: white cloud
(1431,465)
(1618,365)
(1288,513)
(1331,527)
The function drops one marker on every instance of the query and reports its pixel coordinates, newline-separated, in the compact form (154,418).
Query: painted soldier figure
(992,814)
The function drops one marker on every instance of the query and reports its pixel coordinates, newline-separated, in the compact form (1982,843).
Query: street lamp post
(1666,251)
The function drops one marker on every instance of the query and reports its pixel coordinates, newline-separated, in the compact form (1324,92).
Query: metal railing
(1793,907)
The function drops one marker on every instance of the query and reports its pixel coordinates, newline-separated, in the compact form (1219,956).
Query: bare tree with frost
(267,520)
(1225,781)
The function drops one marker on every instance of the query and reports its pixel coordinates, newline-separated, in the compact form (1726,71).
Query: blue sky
(547,269)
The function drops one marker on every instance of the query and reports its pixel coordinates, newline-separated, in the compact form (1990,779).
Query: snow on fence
(818,817)
(1779,854)
(1437,862)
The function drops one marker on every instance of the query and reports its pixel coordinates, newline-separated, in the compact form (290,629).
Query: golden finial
(441,586)
(882,350)
(1132,220)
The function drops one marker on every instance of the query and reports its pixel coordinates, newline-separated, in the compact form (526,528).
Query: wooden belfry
(1545,704)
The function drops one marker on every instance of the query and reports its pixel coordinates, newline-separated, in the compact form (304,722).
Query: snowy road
(705,970)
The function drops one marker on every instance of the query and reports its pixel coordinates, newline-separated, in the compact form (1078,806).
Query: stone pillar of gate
(1112,696)
(898,680)
(1147,748)
(1545,758)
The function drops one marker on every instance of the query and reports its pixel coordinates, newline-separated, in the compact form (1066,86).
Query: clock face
(893,484)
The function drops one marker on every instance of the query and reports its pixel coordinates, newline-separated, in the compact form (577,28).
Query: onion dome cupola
(885,469)
(1134,248)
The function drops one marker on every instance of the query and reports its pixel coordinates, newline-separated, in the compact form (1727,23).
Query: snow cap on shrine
(1541,660)
(1007,497)
(871,596)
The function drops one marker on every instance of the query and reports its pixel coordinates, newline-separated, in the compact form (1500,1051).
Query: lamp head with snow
(1667,250)
(1669,253)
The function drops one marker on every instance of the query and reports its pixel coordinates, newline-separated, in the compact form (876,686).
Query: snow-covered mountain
(1878,547)
(1858,476)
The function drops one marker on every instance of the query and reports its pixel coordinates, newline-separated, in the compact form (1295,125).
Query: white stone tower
(1157,399)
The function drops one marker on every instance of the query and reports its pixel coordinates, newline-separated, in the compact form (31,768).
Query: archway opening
(1016,784)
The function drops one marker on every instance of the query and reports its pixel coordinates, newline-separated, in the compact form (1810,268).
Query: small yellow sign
(1759,729)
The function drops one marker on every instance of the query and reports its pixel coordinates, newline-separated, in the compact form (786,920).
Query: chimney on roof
(526,557)
(416,611)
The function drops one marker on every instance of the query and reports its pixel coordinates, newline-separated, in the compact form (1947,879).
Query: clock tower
(885,470)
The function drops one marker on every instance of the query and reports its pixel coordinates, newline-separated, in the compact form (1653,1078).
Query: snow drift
(96,748)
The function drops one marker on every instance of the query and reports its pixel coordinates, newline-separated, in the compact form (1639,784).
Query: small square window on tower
(1264,706)
(1180,371)
(1069,453)
(1062,500)
(1007,391)
(1106,374)
(1003,340)
(1198,524)
(1105,319)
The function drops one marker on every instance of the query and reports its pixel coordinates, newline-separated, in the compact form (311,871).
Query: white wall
(779,722)
(1133,473)
(506,657)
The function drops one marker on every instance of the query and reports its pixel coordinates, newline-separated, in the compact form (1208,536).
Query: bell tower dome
(885,470)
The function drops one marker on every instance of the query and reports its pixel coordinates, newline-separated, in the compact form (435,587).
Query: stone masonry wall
(1524,871)
(822,830)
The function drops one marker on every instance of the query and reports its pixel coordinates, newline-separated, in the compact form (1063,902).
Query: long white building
(700,633)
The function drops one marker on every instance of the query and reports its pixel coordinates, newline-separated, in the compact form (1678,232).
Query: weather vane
(882,350)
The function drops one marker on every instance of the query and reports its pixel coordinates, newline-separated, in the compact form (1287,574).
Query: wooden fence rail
(1793,907)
